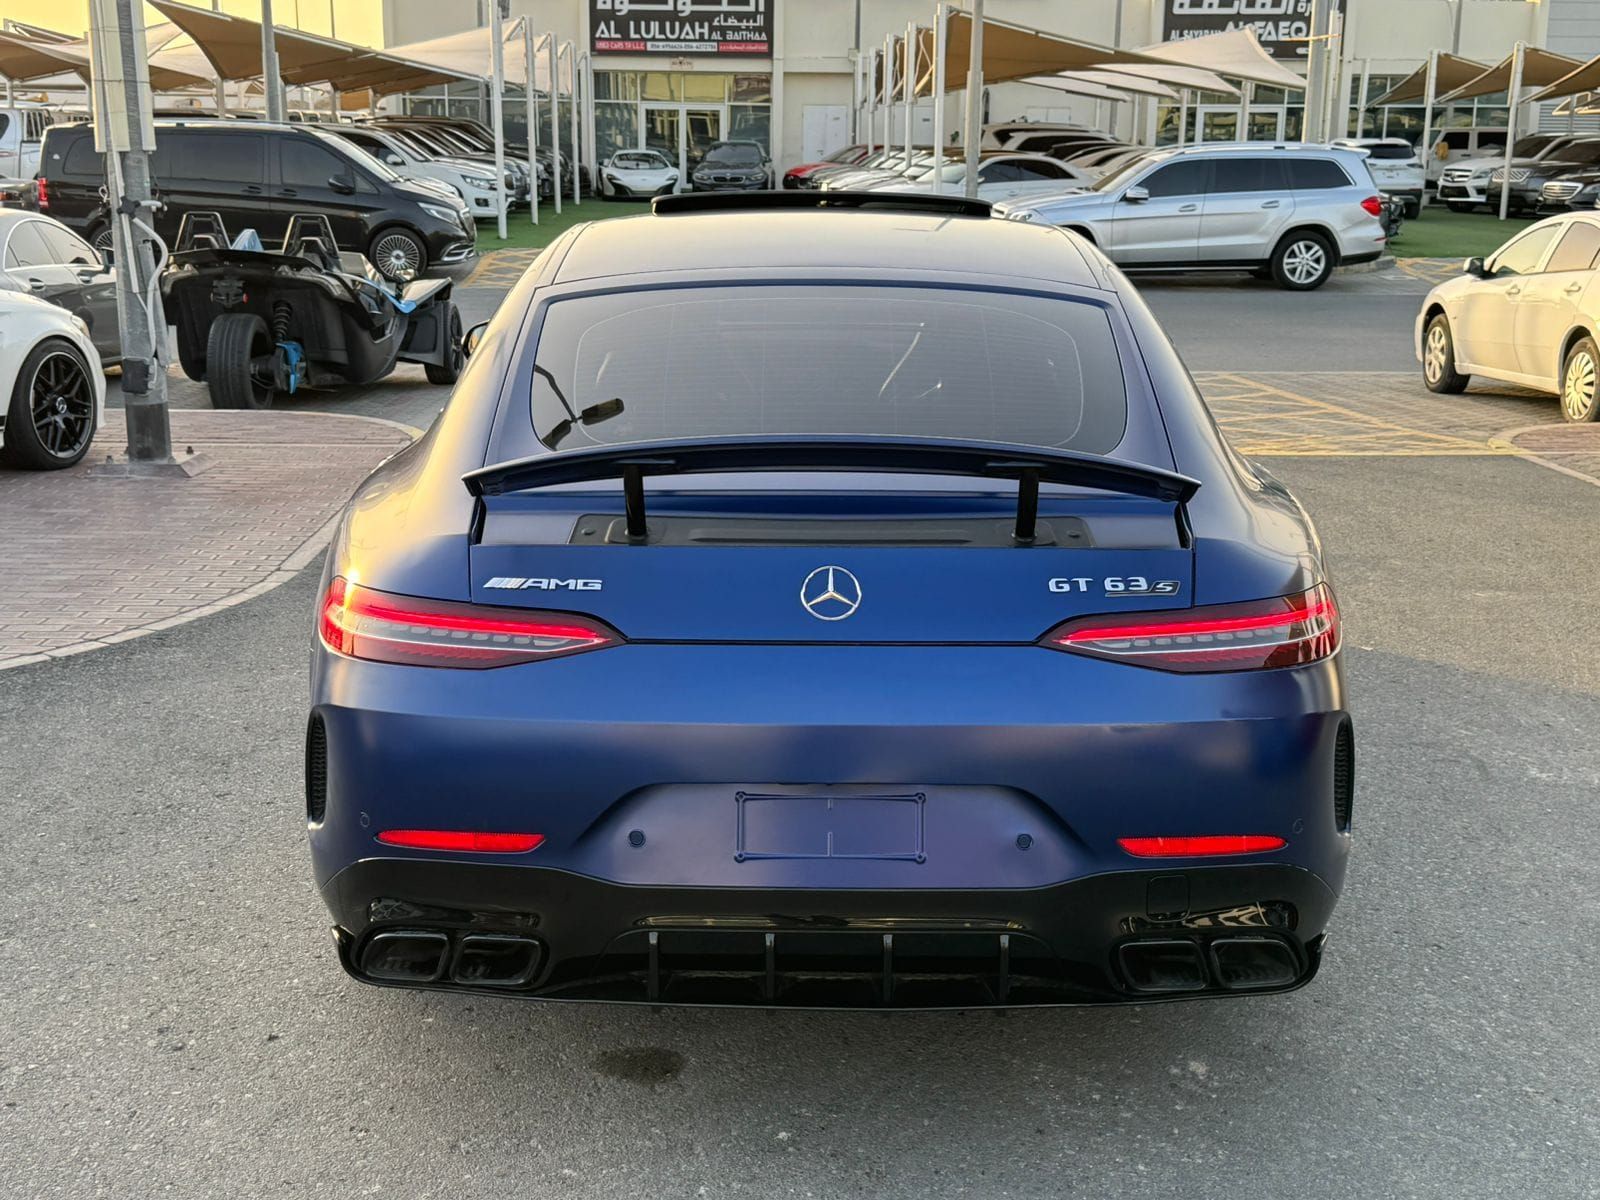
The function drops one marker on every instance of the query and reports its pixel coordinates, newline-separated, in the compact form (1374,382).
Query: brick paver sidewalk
(86,562)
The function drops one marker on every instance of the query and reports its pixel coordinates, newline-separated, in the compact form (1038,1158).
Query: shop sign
(1283,26)
(682,27)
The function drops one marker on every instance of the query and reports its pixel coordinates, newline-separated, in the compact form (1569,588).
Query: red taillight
(44,194)
(462,839)
(1283,632)
(1199,847)
(440,633)
(1373,205)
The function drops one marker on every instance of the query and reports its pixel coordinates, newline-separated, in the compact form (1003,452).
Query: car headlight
(441,212)
(478,181)
(1023,215)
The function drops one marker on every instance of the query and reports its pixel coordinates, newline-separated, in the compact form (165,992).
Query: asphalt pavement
(175,1022)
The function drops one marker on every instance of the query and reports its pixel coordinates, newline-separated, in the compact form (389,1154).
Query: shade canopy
(233,47)
(23,58)
(1178,77)
(1451,73)
(1585,78)
(1102,85)
(1540,68)
(469,53)
(1235,53)
(1012,52)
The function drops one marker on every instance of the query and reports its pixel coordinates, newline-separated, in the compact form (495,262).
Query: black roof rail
(908,202)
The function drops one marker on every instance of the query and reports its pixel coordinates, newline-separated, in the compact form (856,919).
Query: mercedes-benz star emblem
(830,593)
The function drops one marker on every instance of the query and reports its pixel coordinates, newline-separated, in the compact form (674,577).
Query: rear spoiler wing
(1029,466)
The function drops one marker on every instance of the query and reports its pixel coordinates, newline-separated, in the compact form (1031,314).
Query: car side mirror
(474,336)
(342,184)
(1475,267)
(1136,195)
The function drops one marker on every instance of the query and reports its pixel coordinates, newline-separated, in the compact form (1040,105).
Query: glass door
(1264,124)
(1219,124)
(682,132)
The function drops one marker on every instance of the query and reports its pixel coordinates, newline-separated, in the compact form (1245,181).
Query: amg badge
(516,583)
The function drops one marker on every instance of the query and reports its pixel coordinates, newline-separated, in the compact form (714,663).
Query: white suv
(1287,212)
(1395,168)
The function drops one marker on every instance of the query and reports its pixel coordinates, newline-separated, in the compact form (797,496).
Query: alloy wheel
(1433,354)
(61,401)
(397,256)
(1304,261)
(1578,386)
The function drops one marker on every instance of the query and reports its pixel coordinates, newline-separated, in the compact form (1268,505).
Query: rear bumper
(1120,937)
(692,804)
(1365,256)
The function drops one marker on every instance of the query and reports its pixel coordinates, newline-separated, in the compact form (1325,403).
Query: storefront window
(679,113)
(658,85)
(704,89)
(616,126)
(749,123)
(616,85)
(752,89)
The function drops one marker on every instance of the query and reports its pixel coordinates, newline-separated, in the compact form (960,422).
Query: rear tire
(235,339)
(50,420)
(1303,261)
(1411,209)
(446,373)
(1439,358)
(1580,395)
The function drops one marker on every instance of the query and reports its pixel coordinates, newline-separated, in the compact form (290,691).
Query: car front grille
(1456,174)
(1560,189)
(1518,175)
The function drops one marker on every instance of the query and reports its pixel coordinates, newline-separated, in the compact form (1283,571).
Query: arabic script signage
(1282,25)
(679,27)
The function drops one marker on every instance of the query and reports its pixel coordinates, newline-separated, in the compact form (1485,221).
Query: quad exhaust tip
(1235,964)
(428,956)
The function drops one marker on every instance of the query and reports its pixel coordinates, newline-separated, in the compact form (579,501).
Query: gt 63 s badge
(1117,585)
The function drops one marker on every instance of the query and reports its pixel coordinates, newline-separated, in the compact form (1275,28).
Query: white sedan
(54,401)
(637,173)
(1528,314)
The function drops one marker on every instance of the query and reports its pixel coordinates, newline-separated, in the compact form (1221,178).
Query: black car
(732,167)
(1571,190)
(256,176)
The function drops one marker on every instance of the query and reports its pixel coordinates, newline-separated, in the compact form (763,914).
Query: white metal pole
(973,131)
(571,52)
(532,103)
(1513,96)
(555,120)
(910,82)
(1183,117)
(1428,93)
(1335,79)
(888,91)
(940,14)
(1361,101)
(855,97)
(497,66)
(1242,133)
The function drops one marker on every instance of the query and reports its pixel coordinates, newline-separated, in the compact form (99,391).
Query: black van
(258,176)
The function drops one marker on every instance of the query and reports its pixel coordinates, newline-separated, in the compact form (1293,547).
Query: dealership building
(680,74)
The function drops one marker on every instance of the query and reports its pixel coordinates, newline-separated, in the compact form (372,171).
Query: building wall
(815,45)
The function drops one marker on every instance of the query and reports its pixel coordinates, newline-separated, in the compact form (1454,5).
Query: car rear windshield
(825,359)
(1392,152)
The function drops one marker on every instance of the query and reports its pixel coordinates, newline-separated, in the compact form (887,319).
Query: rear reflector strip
(1198,847)
(462,839)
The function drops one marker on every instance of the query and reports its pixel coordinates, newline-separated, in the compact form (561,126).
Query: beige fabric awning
(469,53)
(1540,68)
(1235,53)
(1102,85)
(1585,78)
(22,59)
(1014,52)
(1452,72)
(233,47)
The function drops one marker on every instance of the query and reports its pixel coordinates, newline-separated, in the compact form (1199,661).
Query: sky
(358,21)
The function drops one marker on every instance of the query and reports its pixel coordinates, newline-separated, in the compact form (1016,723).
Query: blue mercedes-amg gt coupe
(827,599)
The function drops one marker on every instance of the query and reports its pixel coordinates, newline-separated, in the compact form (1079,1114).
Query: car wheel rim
(62,405)
(398,257)
(1577,387)
(1303,262)
(103,240)
(1433,355)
